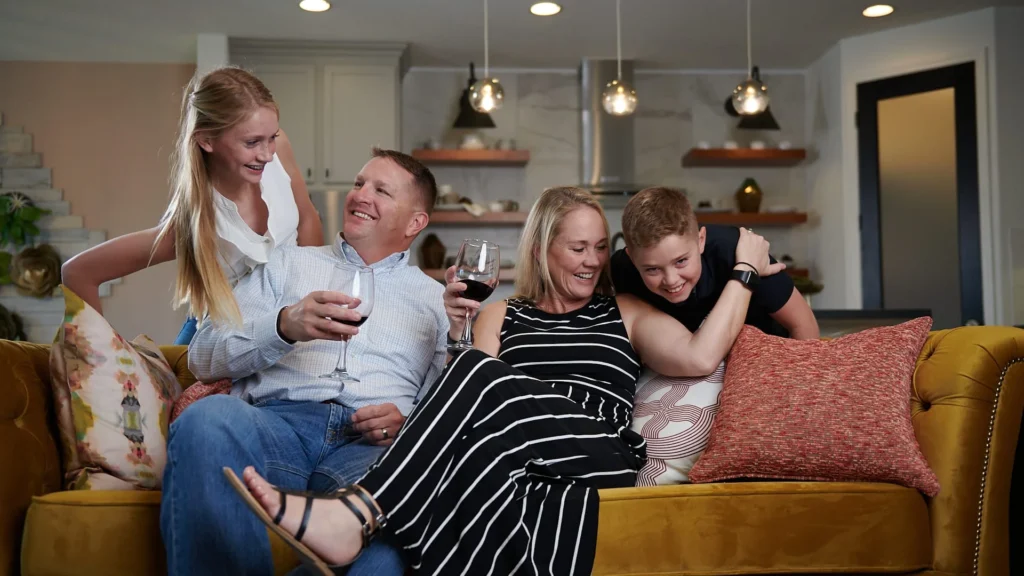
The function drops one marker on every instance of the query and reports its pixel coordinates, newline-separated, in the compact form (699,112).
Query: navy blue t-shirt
(717,262)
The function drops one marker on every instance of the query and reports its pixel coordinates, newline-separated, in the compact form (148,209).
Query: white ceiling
(702,34)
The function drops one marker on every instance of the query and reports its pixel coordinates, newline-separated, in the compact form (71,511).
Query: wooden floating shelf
(798,272)
(504,275)
(465,218)
(478,157)
(740,157)
(751,219)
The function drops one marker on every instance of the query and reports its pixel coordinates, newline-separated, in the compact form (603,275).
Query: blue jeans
(188,331)
(206,527)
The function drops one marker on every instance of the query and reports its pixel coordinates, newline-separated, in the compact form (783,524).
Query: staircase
(22,170)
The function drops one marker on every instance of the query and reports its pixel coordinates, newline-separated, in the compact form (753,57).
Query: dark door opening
(920,227)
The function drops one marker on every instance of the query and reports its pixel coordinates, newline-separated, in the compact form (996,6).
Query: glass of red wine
(356,282)
(476,266)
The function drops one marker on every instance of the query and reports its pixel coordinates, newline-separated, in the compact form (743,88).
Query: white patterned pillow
(113,400)
(674,415)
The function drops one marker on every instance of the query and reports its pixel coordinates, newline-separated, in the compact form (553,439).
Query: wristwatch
(748,278)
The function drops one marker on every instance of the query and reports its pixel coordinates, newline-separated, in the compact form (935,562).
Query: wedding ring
(384,432)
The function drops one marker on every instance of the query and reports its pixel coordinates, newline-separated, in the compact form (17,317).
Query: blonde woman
(497,469)
(236,195)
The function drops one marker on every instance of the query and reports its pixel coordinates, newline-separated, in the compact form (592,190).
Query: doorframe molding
(869,95)
(988,186)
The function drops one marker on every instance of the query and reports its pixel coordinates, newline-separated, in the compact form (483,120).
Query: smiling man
(303,431)
(681,268)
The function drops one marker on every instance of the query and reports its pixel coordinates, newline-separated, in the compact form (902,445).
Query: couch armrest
(29,453)
(967,403)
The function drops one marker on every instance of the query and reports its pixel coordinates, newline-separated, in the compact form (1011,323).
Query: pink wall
(106,130)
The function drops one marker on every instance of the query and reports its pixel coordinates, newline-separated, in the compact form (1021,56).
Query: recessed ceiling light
(315,5)
(878,10)
(545,9)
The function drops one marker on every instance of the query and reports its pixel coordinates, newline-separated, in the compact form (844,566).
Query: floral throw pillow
(113,402)
(674,415)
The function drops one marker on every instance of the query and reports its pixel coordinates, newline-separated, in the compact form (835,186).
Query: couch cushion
(765,527)
(98,532)
(762,527)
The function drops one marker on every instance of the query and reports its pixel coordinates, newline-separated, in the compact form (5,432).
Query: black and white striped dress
(497,469)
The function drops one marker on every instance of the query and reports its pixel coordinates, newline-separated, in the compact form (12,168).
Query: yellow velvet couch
(967,404)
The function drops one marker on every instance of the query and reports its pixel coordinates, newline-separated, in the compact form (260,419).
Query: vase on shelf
(748,197)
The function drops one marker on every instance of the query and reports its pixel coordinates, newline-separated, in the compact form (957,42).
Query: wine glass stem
(467,330)
(344,355)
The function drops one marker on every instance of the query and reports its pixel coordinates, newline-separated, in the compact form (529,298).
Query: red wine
(357,323)
(476,290)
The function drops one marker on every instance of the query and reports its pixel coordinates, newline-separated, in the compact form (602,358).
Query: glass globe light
(618,98)
(750,98)
(486,95)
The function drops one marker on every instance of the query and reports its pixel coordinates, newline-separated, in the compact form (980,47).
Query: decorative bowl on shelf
(472,142)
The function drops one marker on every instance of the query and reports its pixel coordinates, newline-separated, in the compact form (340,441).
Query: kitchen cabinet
(336,99)
(294,90)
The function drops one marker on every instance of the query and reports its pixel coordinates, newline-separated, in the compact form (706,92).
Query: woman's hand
(455,305)
(752,250)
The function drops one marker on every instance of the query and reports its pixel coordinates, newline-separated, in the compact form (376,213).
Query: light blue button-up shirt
(399,351)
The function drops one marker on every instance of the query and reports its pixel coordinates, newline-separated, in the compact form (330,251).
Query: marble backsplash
(542,114)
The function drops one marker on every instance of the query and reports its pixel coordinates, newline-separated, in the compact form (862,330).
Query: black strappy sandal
(308,556)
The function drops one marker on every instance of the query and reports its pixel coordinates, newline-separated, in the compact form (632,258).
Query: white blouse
(240,248)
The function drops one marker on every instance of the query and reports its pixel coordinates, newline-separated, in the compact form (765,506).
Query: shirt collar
(346,252)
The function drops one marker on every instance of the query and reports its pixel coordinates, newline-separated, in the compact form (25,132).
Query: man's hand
(318,316)
(373,421)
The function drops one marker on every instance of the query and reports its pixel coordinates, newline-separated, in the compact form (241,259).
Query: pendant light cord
(750,61)
(618,36)
(486,47)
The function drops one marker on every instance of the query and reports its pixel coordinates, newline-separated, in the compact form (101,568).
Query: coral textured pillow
(674,415)
(836,410)
(197,392)
(113,401)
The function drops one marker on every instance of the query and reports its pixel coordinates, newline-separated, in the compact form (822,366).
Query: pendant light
(468,116)
(487,95)
(618,98)
(750,97)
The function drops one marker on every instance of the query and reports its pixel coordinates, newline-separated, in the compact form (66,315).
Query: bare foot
(333,532)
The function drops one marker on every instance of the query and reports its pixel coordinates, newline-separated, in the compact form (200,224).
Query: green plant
(805,285)
(18,216)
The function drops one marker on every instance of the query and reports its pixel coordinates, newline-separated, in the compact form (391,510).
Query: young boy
(681,268)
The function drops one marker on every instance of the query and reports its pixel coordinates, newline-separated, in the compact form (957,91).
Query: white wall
(1009,135)
(211,52)
(943,42)
(824,176)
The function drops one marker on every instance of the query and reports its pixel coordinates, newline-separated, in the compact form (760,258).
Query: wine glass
(357,282)
(476,266)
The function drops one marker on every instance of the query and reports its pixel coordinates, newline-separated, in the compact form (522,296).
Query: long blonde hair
(533,276)
(212,104)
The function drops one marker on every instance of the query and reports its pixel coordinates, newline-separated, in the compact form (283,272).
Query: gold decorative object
(36,271)
(748,197)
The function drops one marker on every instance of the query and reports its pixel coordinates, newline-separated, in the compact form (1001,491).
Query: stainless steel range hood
(607,156)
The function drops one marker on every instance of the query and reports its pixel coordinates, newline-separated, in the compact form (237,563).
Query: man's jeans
(206,527)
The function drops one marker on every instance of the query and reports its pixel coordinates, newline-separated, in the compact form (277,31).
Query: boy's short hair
(655,213)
